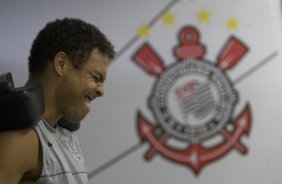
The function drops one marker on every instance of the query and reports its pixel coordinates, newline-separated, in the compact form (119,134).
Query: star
(143,30)
(232,23)
(168,18)
(203,16)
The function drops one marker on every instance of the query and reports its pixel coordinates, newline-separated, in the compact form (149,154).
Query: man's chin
(78,118)
(73,120)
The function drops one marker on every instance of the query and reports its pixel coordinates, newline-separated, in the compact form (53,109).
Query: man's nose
(100,89)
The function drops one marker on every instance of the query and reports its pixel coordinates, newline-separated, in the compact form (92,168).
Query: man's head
(74,37)
(70,57)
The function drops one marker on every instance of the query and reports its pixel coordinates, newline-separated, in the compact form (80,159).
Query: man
(69,58)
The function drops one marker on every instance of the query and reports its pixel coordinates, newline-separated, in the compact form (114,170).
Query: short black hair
(73,36)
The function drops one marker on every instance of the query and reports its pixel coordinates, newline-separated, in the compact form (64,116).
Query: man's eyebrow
(96,72)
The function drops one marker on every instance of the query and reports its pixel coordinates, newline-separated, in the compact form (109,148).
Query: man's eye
(97,78)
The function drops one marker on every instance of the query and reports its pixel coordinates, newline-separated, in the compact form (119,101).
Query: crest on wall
(192,102)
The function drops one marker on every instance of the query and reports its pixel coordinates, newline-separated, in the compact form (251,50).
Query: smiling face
(79,87)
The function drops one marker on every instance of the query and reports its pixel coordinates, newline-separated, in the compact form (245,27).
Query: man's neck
(51,114)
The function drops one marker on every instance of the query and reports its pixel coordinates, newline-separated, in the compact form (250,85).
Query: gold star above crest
(143,30)
(203,16)
(168,18)
(232,23)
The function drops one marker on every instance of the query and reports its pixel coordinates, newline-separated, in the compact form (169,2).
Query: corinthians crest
(193,103)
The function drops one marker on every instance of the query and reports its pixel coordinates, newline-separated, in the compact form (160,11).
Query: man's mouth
(90,98)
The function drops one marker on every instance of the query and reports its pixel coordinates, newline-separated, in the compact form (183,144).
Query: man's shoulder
(20,150)
(19,141)
(18,136)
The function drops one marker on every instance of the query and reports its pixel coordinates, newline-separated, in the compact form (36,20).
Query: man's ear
(60,63)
